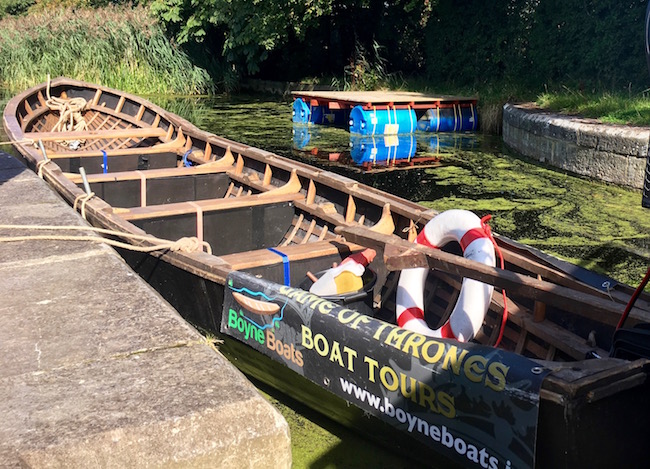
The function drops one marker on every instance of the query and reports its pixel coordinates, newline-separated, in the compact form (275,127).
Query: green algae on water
(599,226)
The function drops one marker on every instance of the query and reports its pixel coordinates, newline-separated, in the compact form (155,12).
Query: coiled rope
(187,244)
(70,110)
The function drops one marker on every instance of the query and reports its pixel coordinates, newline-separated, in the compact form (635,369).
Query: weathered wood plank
(180,208)
(295,252)
(160,148)
(145,132)
(148,174)
(380,97)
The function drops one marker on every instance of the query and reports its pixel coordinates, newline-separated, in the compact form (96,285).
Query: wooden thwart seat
(181,208)
(97,134)
(294,252)
(158,173)
(160,148)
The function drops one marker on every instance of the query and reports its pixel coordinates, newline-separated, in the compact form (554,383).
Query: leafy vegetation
(14,7)
(463,42)
(498,51)
(122,47)
(250,29)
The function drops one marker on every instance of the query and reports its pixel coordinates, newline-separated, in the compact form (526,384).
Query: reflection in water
(375,153)
(598,226)
(382,150)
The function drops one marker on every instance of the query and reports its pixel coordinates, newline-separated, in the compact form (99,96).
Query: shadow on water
(320,443)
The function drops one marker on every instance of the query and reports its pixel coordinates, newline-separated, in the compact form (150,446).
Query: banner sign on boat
(475,404)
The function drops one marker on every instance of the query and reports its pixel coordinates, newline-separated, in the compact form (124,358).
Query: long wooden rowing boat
(549,395)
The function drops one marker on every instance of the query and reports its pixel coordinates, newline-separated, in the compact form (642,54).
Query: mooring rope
(83,198)
(186,244)
(39,168)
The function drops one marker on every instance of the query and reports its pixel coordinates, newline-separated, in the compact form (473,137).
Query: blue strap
(186,163)
(285,261)
(105,165)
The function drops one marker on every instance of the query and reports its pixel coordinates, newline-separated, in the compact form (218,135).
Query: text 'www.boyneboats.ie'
(415,424)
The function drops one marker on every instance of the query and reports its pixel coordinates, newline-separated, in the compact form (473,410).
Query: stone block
(607,152)
(624,141)
(172,407)
(97,370)
(562,128)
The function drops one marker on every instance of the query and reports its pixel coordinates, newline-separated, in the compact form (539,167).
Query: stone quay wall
(612,153)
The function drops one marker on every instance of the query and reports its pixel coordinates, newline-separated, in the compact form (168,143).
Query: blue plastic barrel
(304,113)
(457,118)
(301,112)
(382,121)
(326,116)
(383,150)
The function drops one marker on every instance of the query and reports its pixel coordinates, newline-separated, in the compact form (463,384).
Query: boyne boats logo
(255,327)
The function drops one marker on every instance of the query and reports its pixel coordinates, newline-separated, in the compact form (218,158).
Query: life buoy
(474,298)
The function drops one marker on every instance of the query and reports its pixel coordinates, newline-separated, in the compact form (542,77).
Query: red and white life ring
(474,298)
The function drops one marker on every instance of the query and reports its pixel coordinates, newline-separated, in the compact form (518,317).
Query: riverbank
(611,153)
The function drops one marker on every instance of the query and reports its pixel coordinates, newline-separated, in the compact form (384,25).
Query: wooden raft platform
(370,99)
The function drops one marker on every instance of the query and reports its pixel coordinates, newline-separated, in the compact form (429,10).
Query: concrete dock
(97,370)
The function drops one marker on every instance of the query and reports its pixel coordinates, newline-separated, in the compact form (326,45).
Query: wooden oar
(400,254)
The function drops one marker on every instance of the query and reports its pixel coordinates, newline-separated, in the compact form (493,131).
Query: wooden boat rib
(154,173)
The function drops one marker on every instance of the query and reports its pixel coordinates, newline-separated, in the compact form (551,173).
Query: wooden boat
(155,176)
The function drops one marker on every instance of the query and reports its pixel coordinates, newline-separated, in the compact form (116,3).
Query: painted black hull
(592,429)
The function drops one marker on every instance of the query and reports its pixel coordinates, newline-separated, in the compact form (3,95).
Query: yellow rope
(187,244)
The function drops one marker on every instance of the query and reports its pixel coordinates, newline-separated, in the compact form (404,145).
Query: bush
(596,44)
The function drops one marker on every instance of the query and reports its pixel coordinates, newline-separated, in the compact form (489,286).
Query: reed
(119,46)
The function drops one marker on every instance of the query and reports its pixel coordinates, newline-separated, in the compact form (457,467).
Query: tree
(247,30)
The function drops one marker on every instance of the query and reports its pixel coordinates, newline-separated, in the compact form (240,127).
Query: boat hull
(154,177)
(577,425)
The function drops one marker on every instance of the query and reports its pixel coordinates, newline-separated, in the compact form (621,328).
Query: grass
(610,107)
(119,46)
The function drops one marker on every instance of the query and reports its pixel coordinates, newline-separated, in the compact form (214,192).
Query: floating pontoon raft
(385,112)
